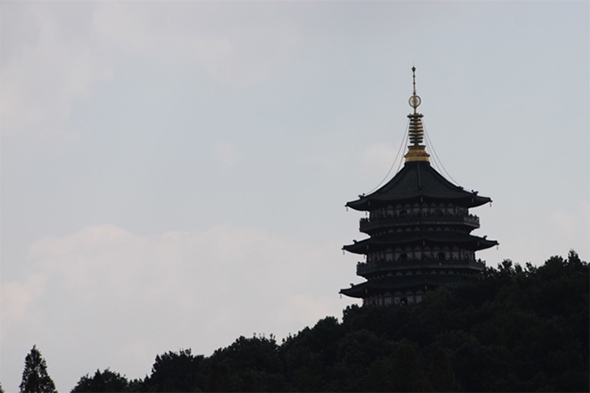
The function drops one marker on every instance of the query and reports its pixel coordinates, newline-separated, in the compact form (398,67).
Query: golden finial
(416,151)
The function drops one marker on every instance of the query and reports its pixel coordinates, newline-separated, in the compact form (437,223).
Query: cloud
(377,157)
(151,294)
(238,44)
(326,160)
(225,156)
(18,297)
(46,69)
(55,55)
(571,228)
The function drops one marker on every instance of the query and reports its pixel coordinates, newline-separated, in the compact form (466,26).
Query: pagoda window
(403,257)
(388,256)
(441,256)
(388,299)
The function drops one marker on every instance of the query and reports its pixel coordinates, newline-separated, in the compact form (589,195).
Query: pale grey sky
(174,174)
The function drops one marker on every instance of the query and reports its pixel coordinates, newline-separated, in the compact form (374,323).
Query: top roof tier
(418,182)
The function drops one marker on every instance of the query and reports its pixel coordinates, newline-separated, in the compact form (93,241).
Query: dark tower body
(419,229)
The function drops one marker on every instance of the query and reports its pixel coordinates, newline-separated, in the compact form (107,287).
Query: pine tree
(35,377)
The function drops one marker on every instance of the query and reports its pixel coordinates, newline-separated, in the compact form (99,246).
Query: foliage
(174,372)
(35,376)
(107,381)
(512,329)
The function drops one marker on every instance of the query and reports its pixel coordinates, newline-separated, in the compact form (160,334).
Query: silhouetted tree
(175,372)
(379,377)
(408,375)
(219,378)
(107,381)
(442,377)
(35,377)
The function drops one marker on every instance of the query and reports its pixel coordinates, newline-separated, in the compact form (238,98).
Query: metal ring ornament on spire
(415,101)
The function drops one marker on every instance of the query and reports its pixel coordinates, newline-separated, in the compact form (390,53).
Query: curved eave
(374,201)
(467,241)
(418,181)
(400,283)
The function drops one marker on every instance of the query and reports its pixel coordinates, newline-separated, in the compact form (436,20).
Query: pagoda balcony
(367,268)
(370,224)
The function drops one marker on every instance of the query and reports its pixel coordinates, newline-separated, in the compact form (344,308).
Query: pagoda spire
(416,150)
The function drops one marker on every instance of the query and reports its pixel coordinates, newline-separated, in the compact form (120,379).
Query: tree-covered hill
(512,329)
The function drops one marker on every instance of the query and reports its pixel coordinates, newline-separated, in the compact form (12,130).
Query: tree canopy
(35,376)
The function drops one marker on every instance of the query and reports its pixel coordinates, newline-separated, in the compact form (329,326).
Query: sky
(174,174)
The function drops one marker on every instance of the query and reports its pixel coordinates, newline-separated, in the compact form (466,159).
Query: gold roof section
(416,151)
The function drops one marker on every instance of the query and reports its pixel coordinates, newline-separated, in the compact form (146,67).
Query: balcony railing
(367,224)
(363,268)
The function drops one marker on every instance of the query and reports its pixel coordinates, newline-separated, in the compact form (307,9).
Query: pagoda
(419,229)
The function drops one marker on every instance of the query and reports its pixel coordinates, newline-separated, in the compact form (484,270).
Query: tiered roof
(464,240)
(418,180)
(417,281)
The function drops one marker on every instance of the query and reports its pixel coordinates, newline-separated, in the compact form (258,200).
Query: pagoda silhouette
(419,229)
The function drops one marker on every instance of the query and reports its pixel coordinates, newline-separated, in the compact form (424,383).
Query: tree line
(513,328)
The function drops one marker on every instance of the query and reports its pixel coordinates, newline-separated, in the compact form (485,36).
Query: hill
(512,329)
